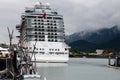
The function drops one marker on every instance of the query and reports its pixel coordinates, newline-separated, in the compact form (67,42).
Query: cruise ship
(42,32)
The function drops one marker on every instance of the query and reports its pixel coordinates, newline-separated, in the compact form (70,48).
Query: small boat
(31,77)
(27,68)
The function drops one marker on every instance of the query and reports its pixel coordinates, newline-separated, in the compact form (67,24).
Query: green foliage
(3,45)
(74,51)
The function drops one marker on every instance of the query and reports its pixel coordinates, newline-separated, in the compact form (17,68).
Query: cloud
(100,14)
(79,15)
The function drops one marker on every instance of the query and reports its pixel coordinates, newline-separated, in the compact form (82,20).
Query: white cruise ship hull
(50,52)
(51,58)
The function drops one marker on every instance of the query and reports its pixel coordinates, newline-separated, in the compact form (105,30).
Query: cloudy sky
(79,15)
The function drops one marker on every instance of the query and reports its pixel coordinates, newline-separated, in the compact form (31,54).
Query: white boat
(43,28)
(4,52)
(31,77)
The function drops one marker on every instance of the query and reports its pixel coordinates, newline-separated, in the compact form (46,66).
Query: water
(79,69)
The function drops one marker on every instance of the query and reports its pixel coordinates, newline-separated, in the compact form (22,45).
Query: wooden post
(109,59)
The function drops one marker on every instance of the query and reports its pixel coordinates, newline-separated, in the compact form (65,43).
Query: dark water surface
(79,69)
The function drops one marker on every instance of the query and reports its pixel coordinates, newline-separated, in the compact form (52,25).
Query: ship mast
(10,37)
(11,50)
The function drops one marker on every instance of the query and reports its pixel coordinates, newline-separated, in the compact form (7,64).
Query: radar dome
(47,4)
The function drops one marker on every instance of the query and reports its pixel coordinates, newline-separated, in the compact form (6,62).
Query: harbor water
(79,69)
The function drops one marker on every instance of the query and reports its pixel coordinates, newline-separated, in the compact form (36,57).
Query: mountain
(83,46)
(113,44)
(97,37)
(107,38)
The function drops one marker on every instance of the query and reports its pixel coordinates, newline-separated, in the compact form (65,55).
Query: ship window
(51,36)
(55,40)
(49,17)
(57,18)
(41,20)
(39,17)
(30,17)
(65,49)
(52,40)
(42,36)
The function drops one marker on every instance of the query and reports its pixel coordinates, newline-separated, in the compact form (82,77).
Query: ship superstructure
(42,31)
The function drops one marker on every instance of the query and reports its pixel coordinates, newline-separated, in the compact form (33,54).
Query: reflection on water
(52,64)
(79,69)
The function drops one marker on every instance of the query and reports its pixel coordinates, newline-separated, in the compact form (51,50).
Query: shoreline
(114,67)
(91,56)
